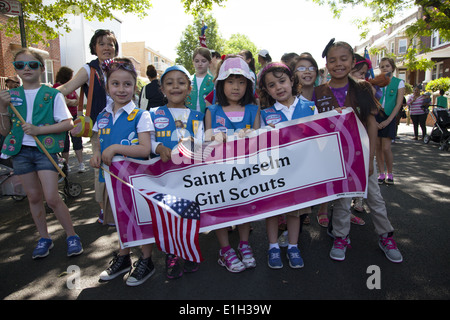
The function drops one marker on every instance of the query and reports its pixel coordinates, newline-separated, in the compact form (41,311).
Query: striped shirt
(415,105)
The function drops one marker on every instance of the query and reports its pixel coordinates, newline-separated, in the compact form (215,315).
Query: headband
(369,63)
(327,47)
(273,65)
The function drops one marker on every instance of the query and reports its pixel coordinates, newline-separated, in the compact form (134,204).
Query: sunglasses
(111,65)
(20,65)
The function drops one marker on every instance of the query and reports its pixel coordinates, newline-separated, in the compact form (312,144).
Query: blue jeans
(30,159)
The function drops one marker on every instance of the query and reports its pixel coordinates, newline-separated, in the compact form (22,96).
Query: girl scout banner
(298,164)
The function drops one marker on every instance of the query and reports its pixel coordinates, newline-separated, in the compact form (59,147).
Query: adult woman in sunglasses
(104,45)
(47,118)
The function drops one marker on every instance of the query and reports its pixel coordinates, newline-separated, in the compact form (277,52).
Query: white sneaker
(339,248)
(82,168)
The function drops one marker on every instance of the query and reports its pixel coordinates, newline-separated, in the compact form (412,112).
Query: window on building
(438,71)
(436,40)
(402,44)
(380,55)
(392,47)
(47,76)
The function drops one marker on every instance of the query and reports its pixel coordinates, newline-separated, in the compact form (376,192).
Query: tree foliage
(384,12)
(438,84)
(48,19)
(239,42)
(197,7)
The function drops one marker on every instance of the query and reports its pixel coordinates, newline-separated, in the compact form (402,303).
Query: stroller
(71,189)
(9,183)
(440,132)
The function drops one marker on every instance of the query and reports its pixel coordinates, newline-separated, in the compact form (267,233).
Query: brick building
(146,55)
(10,45)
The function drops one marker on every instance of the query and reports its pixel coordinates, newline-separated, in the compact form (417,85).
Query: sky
(279,26)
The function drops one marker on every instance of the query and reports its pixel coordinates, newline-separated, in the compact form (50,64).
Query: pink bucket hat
(235,65)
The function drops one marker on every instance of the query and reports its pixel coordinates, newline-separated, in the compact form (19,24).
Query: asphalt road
(418,206)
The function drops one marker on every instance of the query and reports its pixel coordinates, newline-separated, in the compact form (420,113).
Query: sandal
(322,219)
(356,220)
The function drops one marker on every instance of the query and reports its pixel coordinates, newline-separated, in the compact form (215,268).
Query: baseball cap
(263,53)
(176,68)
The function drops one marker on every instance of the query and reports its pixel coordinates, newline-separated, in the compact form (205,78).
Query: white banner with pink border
(298,164)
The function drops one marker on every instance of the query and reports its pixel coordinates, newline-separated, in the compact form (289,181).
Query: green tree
(189,40)
(438,84)
(49,17)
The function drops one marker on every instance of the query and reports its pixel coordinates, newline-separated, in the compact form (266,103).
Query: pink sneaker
(230,261)
(246,254)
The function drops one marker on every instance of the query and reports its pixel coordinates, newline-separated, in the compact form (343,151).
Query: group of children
(289,92)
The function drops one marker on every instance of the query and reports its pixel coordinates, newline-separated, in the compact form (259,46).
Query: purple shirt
(340,94)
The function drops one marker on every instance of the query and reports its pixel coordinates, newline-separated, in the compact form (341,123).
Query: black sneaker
(173,267)
(118,265)
(143,269)
(190,266)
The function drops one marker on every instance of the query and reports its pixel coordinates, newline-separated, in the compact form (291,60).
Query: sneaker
(43,248)
(143,269)
(283,239)
(389,178)
(381,178)
(246,255)
(81,168)
(173,267)
(117,266)
(358,204)
(230,261)
(190,266)
(295,260)
(389,247)
(74,246)
(274,258)
(100,217)
(339,247)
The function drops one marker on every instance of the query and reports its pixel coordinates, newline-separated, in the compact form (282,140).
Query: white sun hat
(235,65)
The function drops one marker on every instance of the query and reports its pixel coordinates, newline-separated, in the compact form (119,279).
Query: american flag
(176,223)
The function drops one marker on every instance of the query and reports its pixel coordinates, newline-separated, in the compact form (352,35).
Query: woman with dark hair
(151,95)
(104,45)
(417,108)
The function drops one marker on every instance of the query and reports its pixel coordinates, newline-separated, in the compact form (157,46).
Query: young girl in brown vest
(341,92)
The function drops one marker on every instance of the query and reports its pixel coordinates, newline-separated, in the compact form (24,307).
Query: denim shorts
(30,159)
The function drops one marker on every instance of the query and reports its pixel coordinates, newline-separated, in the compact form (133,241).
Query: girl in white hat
(235,112)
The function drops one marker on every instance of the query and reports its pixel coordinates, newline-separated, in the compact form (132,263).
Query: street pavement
(418,207)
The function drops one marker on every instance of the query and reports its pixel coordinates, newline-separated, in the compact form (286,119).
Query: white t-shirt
(60,112)
(199,84)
